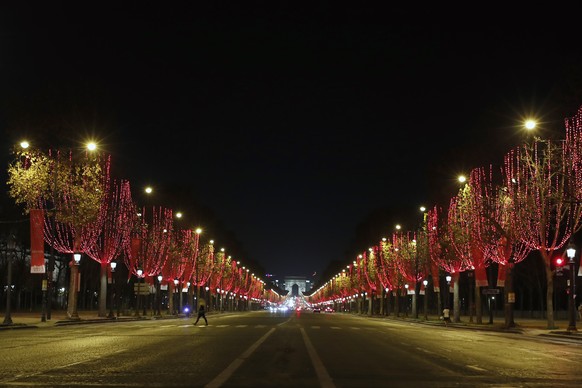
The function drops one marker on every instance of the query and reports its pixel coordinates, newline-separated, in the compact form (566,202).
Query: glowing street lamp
(571,253)
(530,124)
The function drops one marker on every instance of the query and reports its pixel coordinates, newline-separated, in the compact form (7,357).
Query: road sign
(490,291)
(141,288)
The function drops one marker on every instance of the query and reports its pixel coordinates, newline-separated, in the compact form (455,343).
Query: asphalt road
(263,349)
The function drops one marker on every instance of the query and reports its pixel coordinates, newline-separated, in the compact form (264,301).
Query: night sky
(295,126)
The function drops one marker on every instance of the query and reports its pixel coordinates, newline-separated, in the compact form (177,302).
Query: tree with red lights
(466,247)
(205,264)
(67,187)
(372,280)
(216,281)
(494,235)
(411,266)
(111,232)
(386,269)
(446,239)
(151,239)
(72,207)
(179,260)
(546,214)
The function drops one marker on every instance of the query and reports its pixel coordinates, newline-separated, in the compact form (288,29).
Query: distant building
(296,285)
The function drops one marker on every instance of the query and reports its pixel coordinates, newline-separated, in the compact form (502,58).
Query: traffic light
(559,264)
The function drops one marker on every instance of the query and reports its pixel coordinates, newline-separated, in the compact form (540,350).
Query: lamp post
(190,304)
(11,248)
(113,264)
(72,312)
(176,281)
(160,277)
(139,273)
(471,282)
(447,292)
(425,282)
(406,300)
(571,253)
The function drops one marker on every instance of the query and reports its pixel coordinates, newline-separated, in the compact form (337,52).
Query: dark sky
(294,125)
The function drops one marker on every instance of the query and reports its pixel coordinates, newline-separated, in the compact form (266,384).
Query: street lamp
(160,277)
(176,281)
(113,264)
(571,253)
(406,300)
(11,247)
(139,273)
(425,282)
(74,286)
(447,292)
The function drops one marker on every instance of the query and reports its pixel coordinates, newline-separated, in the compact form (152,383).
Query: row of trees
(501,214)
(76,206)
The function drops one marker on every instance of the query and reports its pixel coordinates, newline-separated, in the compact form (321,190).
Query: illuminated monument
(296,285)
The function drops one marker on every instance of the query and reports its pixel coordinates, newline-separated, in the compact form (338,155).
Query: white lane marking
(425,351)
(324,378)
(225,374)
(222,325)
(355,328)
(336,328)
(241,325)
(476,368)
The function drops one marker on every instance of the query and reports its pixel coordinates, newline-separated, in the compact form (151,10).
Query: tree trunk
(456,299)
(171,298)
(397,304)
(382,293)
(509,305)
(103,291)
(549,295)
(478,305)
(414,302)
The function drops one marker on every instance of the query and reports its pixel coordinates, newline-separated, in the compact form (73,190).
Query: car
(328,310)
(316,310)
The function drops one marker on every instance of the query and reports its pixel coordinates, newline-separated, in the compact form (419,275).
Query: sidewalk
(31,320)
(526,326)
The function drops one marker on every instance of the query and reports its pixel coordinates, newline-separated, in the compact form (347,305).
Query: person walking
(201,313)
(446,316)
